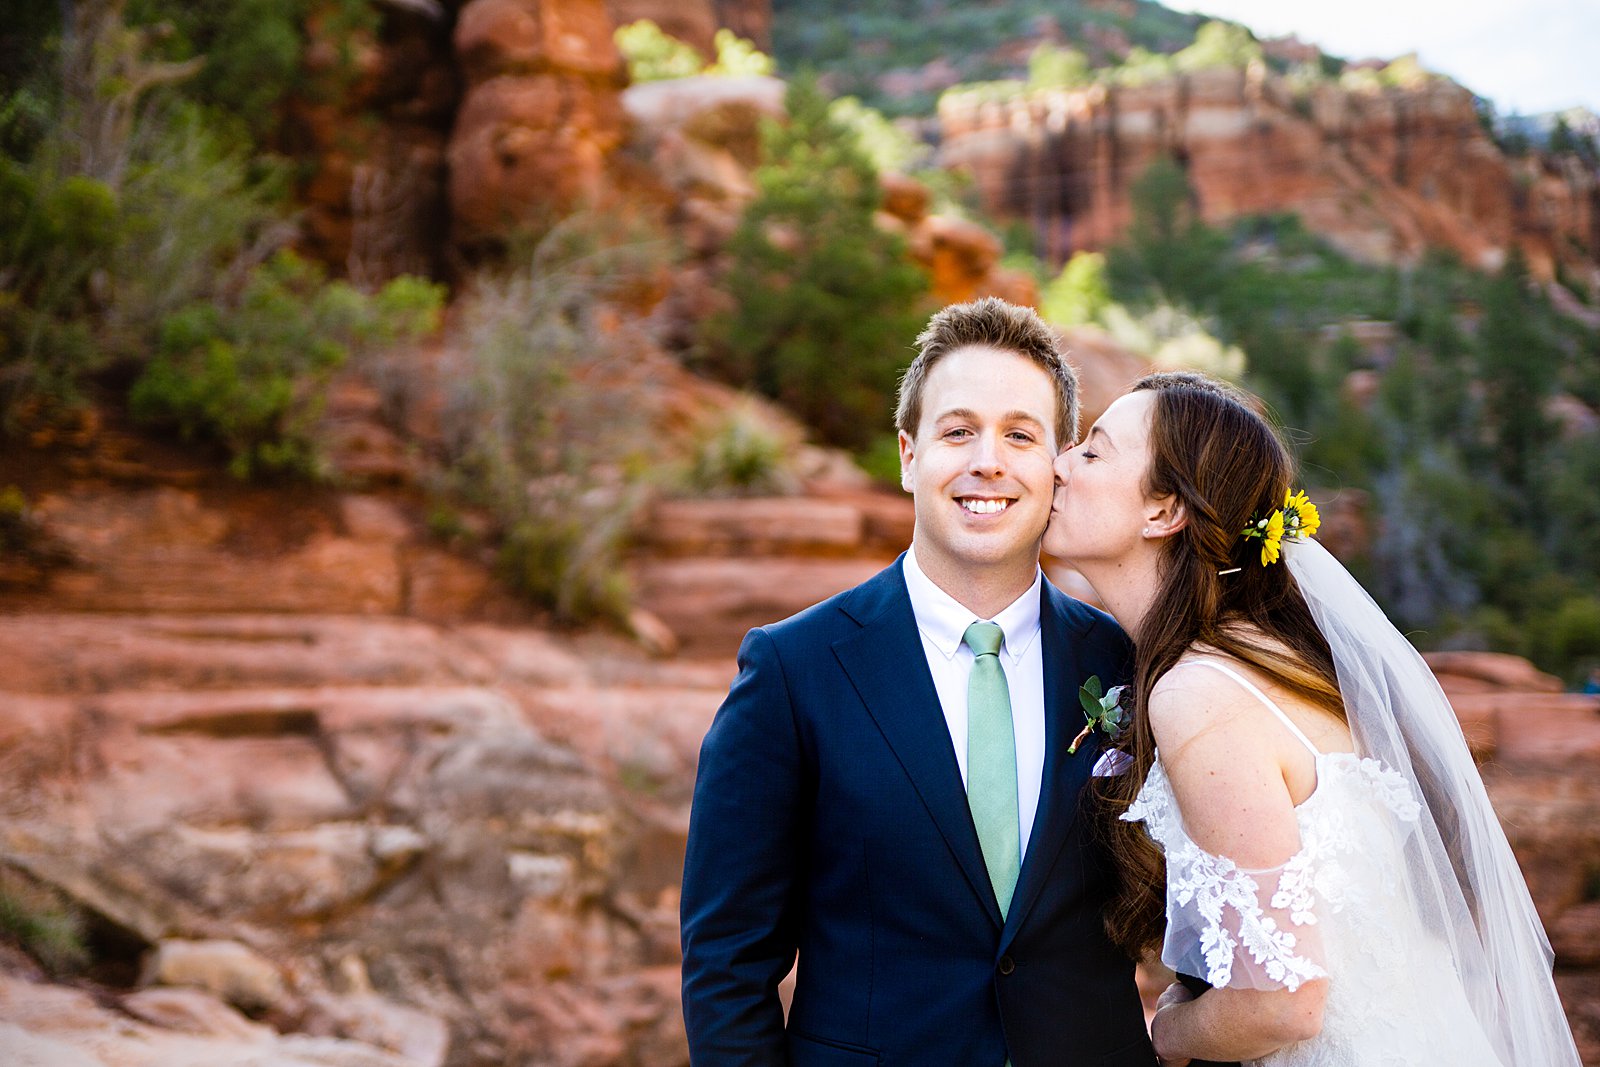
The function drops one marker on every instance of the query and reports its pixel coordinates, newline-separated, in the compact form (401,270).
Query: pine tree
(826,304)
(1518,365)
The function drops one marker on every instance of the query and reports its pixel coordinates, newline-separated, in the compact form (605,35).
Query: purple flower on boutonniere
(1112,762)
(1103,710)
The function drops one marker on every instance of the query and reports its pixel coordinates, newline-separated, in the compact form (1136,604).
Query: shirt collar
(943,620)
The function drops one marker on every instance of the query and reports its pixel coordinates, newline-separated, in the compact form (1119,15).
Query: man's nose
(987,458)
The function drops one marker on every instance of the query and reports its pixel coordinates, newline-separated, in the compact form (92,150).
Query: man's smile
(978,505)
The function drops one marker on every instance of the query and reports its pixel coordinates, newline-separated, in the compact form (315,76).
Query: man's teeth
(984,507)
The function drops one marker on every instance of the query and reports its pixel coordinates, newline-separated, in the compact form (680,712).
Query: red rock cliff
(1383,173)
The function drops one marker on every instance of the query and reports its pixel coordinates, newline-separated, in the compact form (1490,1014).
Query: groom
(886,792)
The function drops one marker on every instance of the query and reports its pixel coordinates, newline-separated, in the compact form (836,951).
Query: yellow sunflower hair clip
(1297,520)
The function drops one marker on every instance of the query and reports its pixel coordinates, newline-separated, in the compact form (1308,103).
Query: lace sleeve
(1239,928)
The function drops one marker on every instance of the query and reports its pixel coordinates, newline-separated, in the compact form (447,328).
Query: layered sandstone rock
(376,837)
(461,122)
(540,115)
(1384,173)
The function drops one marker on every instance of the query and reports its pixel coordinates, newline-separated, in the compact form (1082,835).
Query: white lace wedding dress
(1339,908)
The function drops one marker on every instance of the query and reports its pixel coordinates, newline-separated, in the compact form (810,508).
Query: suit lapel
(886,664)
(1064,775)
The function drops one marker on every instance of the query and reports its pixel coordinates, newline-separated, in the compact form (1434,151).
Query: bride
(1332,866)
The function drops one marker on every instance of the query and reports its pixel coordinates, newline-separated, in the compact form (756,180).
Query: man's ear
(1165,516)
(906,456)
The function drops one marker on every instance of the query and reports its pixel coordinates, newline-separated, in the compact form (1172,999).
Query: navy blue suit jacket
(830,820)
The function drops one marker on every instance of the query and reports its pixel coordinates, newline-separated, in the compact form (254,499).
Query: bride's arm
(1237,1024)
(1227,758)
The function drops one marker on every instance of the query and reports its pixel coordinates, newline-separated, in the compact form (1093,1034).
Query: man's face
(979,466)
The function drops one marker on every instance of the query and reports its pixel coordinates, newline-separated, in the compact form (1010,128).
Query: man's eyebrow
(972,416)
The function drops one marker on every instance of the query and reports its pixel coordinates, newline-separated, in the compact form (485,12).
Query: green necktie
(992,762)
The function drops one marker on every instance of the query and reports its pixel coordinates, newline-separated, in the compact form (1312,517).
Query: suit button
(1007,965)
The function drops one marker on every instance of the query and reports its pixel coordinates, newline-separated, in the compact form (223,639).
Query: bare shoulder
(1193,703)
(1225,757)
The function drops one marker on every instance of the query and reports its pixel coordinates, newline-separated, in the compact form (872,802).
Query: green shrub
(253,377)
(546,424)
(42,923)
(739,452)
(128,208)
(199,213)
(54,230)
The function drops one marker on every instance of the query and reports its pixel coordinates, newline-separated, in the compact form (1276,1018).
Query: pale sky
(1528,56)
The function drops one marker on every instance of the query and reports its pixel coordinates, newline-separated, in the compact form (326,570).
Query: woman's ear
(1165,516)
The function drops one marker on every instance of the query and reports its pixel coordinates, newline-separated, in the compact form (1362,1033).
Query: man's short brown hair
(992,323)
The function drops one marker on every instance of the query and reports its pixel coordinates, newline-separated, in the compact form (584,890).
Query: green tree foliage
(1080,293)
(1218,44)
(825,304)
(652,55)
(1519,365)
(887,147)
(252,51)
(738,58)
(1167,250)
(1050,67)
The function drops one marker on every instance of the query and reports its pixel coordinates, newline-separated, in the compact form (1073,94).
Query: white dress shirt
(942,621)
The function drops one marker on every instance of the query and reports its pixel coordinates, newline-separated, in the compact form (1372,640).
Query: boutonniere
(1103,710)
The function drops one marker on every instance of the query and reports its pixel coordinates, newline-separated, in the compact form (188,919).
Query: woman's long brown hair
(1224,463)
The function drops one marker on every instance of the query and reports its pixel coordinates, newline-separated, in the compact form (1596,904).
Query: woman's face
(1100,508)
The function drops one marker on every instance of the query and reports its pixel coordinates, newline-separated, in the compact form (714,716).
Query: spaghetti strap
(1253,688)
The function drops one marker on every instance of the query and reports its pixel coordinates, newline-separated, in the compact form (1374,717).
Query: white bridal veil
(1464,876)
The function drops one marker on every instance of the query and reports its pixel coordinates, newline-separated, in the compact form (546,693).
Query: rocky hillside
(1383,173)
(1385,162)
